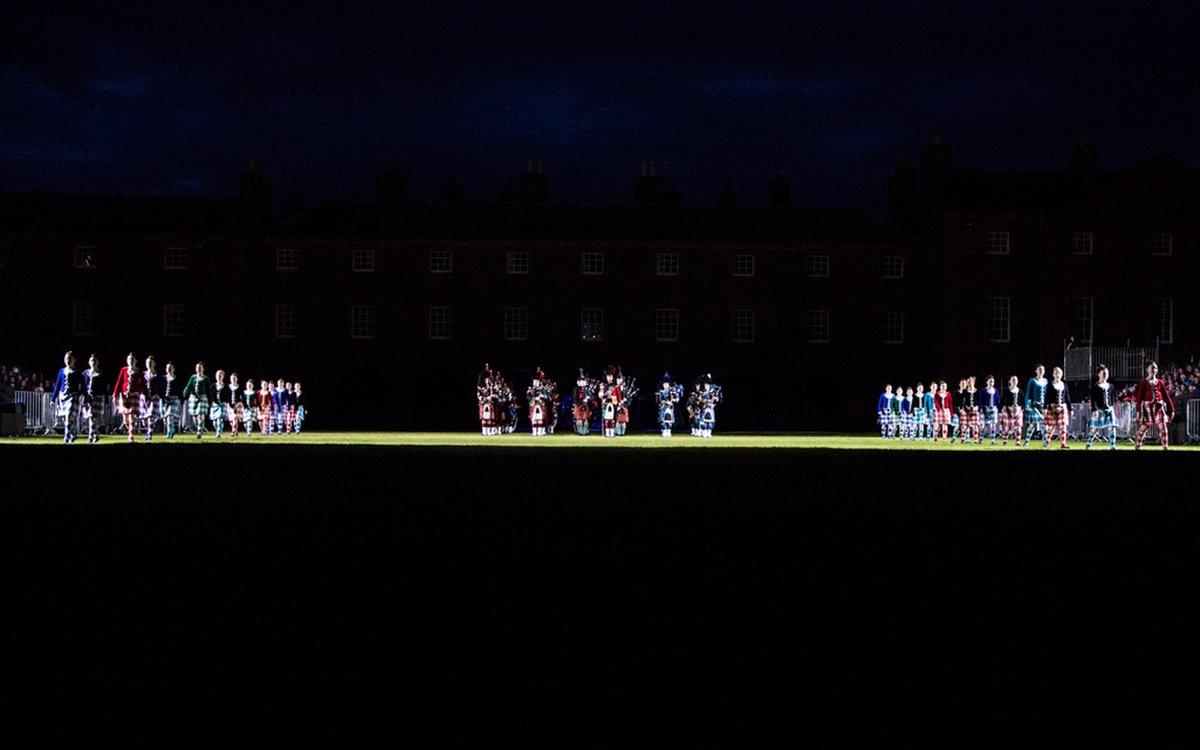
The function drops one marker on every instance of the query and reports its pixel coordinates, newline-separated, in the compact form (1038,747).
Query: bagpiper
(710,396)
(628,391)
(608,412)
(1154,407)
(610,390)
(582,400)
(68,393)
(487,393)
(666,398)
(127,391)
(1103,411)
(541,403)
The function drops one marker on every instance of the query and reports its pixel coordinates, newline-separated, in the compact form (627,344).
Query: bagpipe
(671,396)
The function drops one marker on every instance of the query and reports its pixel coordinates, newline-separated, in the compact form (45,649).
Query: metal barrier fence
(1126,420)
(1124,362)
(41,416)
(38,409)
(1193,420)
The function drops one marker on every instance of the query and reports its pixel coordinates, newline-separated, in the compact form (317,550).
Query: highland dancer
(94,398)
(291,407)
(279,406)
(1058,409)
(895,416)
(198,393)
(266,404)
(582,399)
(969,411)
(920,412)
(884,411)
(1154,407)
(298,400)
(1012,415)
(540,401)
(1035,404)
(172,406)
(989,410)
(220,403)
(152,400)
(68,393)
(127,390)
(236,405)
(666,398)
(250,404)
(1103,413)
(943,405)
(906,414)
(710,396)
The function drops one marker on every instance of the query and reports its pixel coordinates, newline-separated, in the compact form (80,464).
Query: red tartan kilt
(1056,418)
(941,416)
(130,403)
(970,418)
(622,414)
(581,412)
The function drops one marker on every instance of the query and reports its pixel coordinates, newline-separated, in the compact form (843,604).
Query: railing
(1124,411)
(1193,420)
(39,410)
(1124,362)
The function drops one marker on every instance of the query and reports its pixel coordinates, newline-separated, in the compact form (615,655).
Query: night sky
(174,100)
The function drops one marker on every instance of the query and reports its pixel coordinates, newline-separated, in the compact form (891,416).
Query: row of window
(516,323)
(1162,319)
(1082,243)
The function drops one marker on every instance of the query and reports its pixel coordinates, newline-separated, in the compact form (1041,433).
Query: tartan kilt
(198,406)
(1034,416)
(886,418)
(622,414)
(216,411)
(919,416)
(66,407)
(970,417)
(170,408)
(1152,414)
(93,408)
(907,420)
(581,412)
(249,414)
(235,411)
(1056,418)
(151,406)
(1013,418)
(941,416)
(130,403)
(666,417)
(1103,419)
(708,418)
(990,414)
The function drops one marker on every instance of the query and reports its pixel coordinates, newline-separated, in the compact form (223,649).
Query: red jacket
(136,382)
(1147,392)
(943,401)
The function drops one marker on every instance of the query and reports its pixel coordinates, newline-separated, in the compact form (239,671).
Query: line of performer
(601,403)
(145,397)
(1041,410)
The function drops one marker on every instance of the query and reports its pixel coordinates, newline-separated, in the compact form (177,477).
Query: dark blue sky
(173,100)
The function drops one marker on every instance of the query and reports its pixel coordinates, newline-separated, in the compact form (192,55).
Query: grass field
(776,441)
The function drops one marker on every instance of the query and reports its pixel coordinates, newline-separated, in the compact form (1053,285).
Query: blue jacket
(989,399)
(885,403)
(929,403)
(71,383)
(1035,394)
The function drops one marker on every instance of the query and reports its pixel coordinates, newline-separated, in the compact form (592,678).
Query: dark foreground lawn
(469,597)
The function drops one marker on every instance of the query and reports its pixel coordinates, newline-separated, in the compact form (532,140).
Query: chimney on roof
(728,196)
(254,195)
(779,193)
(535,183)
(390,183)
(451,192)
(1084,160)
(648,187)
(935,165)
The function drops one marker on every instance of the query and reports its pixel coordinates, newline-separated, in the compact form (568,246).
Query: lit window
(668,264)
(592,264)
(1081,319)
(175,258)
(817,266)
(743,264)
(83,318)
(1081,243)
(84,257)
(441,261)
(1164,323)
(666,324)
(287,259)
(173,315)
(893,267)
(516,323)
(1000,320)
(516,262)
(818,326)
(439,322)
(1162,243)
(893,327)
(362,321)
(285,321)
(591,324)
(363,260)
(743,326)
(998,243)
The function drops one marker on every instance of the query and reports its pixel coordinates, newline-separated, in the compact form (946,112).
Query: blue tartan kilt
(93,408)
(198,406)
(920,416)
(708,418)
(1103,419)
(886,418)
(216,411)
(990,414)
(666,417)
(1034,416)
(66,407)
(250,415)
(170,408)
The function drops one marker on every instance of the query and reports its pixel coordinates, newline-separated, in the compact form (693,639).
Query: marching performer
(930,409)
(693,408)
(237,404)
(94,398)
(989,409)
(884,412)
(220,403)
(608,411)
(198,393)
(250,406)
(279,406)
(627,391)
(291,407)
(1154,407)
(1058,409)
(896,416)
(920,414)
(298,399)
(1103,411)
(127,391)
(667,397)
(710,396)
(152,399)
(172,409)
(906,414)
(540,403)
(582,399)
(968,408)
(266,404)
(68,395)
(943,404)
(610,389)
(1012,416)
(1035,404)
